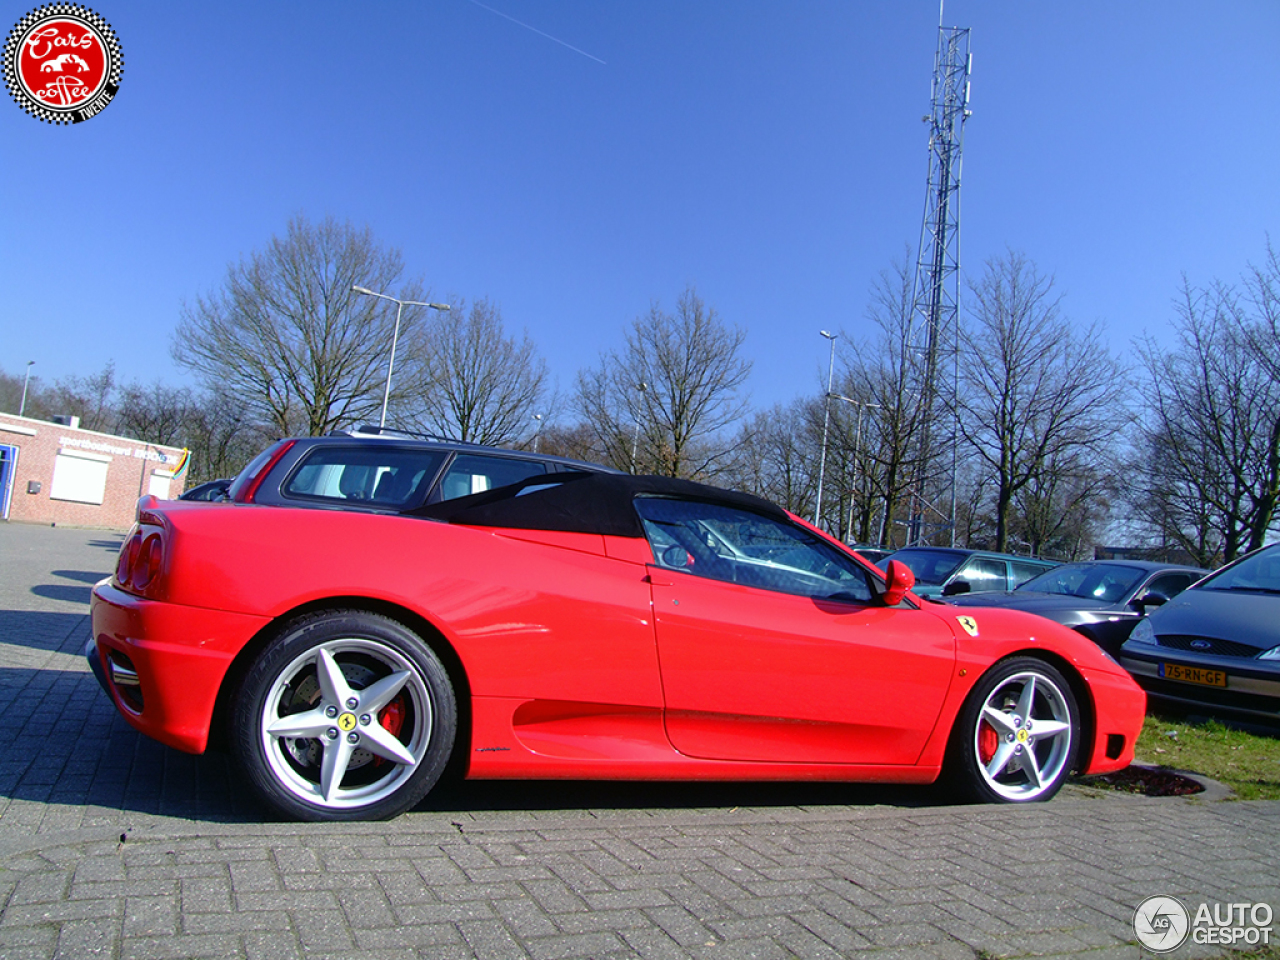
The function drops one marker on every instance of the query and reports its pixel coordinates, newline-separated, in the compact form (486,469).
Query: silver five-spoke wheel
(347,715)
(346,722)
(1017,735)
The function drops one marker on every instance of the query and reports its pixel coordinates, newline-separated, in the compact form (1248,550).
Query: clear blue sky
(769,153)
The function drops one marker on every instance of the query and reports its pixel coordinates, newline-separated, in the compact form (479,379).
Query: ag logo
(62,63)
(1161,923)
(970,625)
(347,722)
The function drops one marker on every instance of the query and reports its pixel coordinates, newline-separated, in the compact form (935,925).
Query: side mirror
(956,587)
(1149,599)
(900,580)
(675,557)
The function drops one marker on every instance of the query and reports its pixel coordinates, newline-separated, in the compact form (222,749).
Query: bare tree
(90,398)
(1262,285)
(577,441)
(11,389)
(1034,393)
(221,437)
(774,457)
(475,383)
(157,414)
(1209,470)
(879,378)
(1061,511)
(288,337)
(669,394)
(213,426)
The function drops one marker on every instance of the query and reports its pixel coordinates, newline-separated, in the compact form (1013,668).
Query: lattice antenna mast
(935,312)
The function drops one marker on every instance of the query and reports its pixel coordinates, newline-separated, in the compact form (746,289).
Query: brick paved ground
(113,846)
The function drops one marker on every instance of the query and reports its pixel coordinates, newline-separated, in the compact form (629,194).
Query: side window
(983,574)
(377,476)
(474,473)
(1023,571)
(723,543)
(1170,585)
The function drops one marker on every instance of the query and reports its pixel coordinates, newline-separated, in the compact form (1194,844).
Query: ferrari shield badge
(970,625)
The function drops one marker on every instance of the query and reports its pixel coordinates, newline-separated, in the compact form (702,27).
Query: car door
(983,575)
(772,646)
(1023,570)
(1112,634)
(1167,585)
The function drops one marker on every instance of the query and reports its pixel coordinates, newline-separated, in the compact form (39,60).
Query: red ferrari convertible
(578,625)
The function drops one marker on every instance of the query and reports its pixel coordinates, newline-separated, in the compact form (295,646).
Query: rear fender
(419,625)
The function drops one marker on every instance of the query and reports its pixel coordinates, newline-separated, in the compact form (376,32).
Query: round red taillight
(147,566)
(128,559)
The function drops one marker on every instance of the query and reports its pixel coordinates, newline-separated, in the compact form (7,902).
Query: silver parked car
(950,571)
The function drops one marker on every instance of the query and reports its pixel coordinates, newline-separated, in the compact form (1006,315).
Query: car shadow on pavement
(64,592)
(82,576)
(43,630)
(80,593)
(72,750)
(476,796)
(87,757)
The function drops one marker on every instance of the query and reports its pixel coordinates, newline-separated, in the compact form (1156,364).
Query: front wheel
(346,715)
(1016,738)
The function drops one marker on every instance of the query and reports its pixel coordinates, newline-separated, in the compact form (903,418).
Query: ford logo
(1201,645)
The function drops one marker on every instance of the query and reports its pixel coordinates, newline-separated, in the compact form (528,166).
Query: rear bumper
(95,664)
(163,664)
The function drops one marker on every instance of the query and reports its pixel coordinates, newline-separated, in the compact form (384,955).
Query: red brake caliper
(392,719)
(392,716)
(988,741)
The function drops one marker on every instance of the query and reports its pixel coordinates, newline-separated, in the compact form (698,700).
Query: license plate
(1208,678)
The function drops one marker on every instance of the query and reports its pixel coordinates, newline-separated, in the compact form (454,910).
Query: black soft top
(581,503)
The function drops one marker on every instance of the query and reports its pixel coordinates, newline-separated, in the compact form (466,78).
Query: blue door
(8,470)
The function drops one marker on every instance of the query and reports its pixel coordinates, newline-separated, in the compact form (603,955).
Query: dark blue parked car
(1218,643)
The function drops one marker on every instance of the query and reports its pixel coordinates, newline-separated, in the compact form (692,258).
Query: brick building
(59,474)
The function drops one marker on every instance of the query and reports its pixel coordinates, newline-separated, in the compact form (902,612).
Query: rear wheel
(345,716)
(1017,735)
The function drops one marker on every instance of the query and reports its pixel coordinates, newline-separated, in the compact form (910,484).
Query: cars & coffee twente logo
(62,63)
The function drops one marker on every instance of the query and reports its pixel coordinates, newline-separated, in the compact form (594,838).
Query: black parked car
(384,472)
(209,490)
(1218,644)
(1102,599)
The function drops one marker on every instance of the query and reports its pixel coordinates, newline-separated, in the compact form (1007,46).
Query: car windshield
(930,567)
(1090,581)
(1257,573)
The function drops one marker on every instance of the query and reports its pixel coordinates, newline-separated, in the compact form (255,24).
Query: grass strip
(1243,756)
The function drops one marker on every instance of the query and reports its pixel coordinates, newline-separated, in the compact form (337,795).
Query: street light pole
(395,338)
(635,441)
(22,407)
(857,446)
(537,431)
(826,426)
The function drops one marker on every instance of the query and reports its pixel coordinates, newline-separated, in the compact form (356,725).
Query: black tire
(331,756)
(1037,759)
